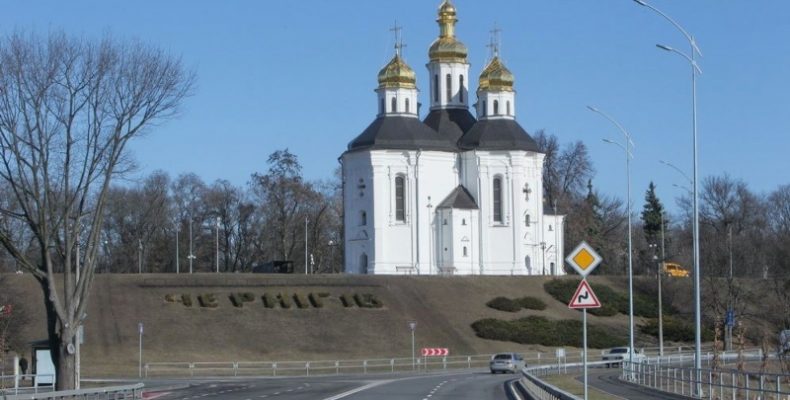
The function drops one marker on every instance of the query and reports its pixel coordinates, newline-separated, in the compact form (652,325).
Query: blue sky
(301,74)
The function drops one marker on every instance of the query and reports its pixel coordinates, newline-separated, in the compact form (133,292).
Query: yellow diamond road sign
(583,259)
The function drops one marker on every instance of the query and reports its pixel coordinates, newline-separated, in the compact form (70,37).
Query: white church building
(453,194)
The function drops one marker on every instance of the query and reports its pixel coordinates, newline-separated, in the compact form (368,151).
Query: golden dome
(496,77)
(446,48)
(397,74)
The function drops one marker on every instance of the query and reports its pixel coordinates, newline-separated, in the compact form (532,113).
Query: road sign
(583,259)
(584,297)
(730,318)
(435,351)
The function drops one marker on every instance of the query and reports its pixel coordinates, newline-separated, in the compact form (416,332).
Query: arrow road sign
(583,259)
(584,297)
(433,352)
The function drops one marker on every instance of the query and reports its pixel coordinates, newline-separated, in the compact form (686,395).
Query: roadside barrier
(104,393)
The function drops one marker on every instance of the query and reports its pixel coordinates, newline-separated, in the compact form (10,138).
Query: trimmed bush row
(514,305)
(542,331)
(283,300)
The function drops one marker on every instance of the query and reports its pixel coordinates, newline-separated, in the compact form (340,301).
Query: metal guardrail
(362,366)
(707,383)
(27,383)
(103,393)
(667,374)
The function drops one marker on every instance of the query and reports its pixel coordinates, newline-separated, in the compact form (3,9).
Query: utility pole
(730,320)
(140,340)
(413,327)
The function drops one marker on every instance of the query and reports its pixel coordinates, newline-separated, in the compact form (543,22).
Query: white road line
(357,390)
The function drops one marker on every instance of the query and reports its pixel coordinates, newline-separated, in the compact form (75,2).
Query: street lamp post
(191,254)
(412,328)
(139,256)
(178,267)
(217,251)
(695,195)
(627,148)
(305,245)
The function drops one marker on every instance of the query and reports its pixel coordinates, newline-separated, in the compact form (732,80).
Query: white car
(619,354)
(507,362)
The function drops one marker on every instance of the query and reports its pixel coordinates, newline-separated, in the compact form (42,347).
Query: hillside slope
(444,308)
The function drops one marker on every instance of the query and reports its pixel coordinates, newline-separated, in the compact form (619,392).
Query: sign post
(140,331)
(584,260)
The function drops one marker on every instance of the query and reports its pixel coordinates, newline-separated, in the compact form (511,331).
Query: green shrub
(238,299)
(504,304)
(301,301)
(531,303)
(348,301)
(542,331)
(675,329)
(493,329)
(208,300)
(285,300)
(367,300)
(317,299)
(186,300)
(268,300)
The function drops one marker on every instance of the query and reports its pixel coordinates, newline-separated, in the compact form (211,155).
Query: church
(455,193)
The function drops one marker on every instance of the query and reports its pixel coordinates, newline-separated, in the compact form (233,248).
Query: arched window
(363,218)
(400,197)
(497,198)
(394,104)
(485,108)
(463,221)
(461,88)
(528,220)
(381,107)
(449,88)
(551,228)
(528,264)
(407,105)
(363,263)
(465,253)
(436,87)
(496,107)
(508,107)
(553,269)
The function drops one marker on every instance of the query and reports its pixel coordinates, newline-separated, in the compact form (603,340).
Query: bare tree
(68,108)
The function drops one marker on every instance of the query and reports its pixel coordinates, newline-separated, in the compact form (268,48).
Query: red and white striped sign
(435,351)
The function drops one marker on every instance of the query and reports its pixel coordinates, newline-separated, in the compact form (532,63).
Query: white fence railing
(707,383)
(362,366)
(23,384)
(130,392)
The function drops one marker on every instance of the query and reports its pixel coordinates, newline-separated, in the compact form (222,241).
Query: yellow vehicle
(675,270)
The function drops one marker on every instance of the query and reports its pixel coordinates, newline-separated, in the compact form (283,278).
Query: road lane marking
(357,390)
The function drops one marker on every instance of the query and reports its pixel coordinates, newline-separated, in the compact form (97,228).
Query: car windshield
(618,350)
(503,357)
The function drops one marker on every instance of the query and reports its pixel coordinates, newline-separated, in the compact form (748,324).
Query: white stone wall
(460,95)
(402,96)
(503,98)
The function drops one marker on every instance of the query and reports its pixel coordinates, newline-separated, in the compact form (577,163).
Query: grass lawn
(569,384)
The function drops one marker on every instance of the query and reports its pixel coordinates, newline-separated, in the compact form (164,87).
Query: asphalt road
(606,380)
(472,385)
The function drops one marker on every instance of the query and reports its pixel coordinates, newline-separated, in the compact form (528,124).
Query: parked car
(675,270)
(507,362)
(619,354)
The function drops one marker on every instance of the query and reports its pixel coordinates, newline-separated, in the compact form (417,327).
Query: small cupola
(495,94)
(397,90)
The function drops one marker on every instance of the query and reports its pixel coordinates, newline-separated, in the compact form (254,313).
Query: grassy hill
(444,308)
